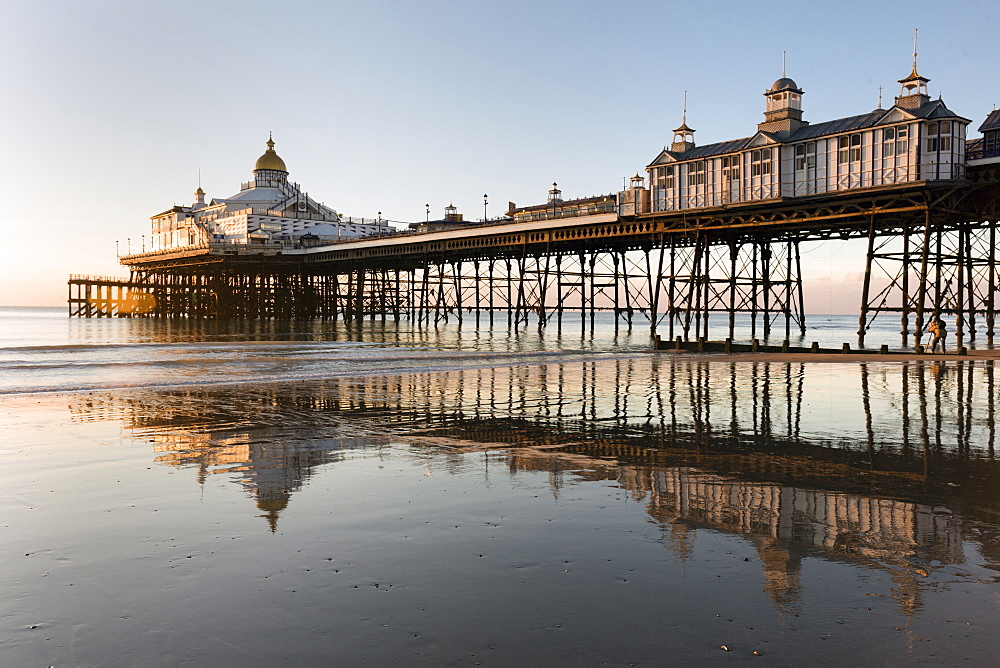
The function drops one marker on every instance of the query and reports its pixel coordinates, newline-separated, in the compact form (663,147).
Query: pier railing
(982,150)
(89,278)
(567,210)
(224,247)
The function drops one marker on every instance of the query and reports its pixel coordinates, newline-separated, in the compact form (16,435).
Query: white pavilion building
(917,139)
(267,209)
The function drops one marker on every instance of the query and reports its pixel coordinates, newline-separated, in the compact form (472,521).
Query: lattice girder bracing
(716,274)
(936,268)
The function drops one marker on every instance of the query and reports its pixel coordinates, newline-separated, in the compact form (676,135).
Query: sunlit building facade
(917,139)
(266,209)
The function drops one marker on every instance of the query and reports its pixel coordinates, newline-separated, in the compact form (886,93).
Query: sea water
(43,350)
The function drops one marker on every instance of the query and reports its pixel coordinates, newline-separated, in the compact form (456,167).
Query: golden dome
(270,159)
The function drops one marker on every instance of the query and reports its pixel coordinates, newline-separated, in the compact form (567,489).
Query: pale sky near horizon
(111,108)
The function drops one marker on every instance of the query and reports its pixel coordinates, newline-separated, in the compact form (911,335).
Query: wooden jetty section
(103,297)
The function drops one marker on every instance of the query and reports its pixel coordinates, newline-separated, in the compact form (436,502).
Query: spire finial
(913,89)
(270,140)
(879,97)
(783,54)
(199,178)
(683,134)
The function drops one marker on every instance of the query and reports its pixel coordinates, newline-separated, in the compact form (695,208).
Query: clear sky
(111,108)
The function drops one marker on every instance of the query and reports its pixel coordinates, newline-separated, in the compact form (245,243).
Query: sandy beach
(616,511)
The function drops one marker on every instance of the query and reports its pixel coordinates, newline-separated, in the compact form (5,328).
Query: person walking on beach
(940,332)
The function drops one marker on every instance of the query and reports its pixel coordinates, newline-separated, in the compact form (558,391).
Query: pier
(718,229)
(670,269)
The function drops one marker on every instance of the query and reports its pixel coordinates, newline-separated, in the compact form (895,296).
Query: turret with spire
(783,109)
(913,89)
(683,135)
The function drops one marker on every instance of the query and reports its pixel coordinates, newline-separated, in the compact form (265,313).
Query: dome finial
(270,159)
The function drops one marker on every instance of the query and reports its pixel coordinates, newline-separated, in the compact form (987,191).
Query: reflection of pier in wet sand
(873,409)
(886,463)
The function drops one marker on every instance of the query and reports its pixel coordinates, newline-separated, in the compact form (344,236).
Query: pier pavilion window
(731,168)
(939,136)
(696,173)
(667,178)
(731,177)
(805,156)
(849,149)
(894,141)
(991,143)
(760,162)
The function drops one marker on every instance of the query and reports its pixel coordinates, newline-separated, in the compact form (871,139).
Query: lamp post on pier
(485,202)
(427,208)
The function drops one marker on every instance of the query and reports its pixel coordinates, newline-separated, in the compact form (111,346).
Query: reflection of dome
(270,159)
(784,83)
(271,506)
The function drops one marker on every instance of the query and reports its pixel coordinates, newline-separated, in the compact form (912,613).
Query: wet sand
(644,511)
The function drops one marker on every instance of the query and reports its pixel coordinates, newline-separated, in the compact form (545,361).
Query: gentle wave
(59,354)
(231,345)
(314,357)
(253,379)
